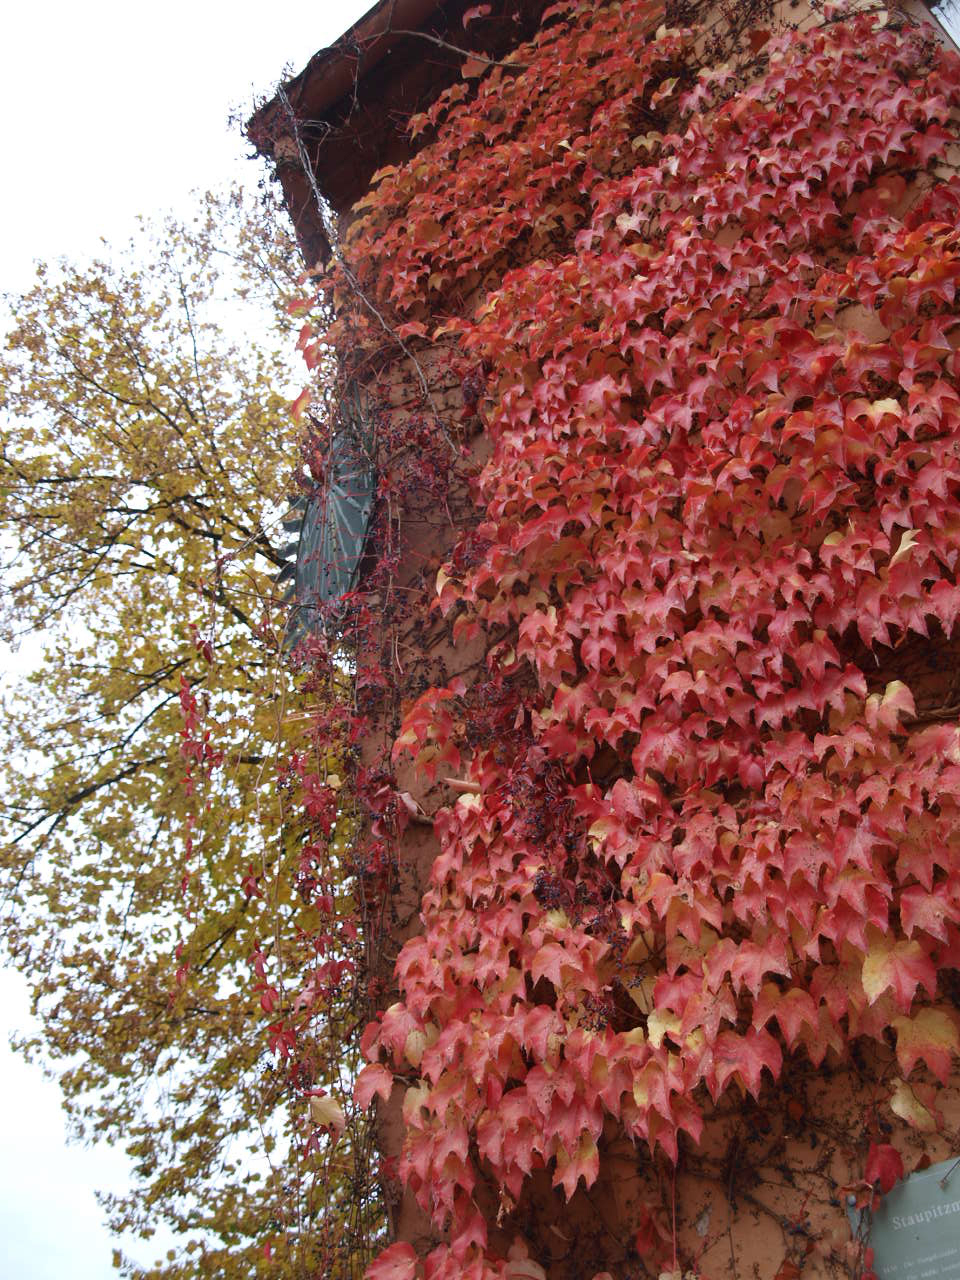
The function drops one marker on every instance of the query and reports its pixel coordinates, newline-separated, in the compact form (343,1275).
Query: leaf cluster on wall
(710,809)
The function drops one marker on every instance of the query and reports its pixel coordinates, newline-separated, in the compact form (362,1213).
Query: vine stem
(673,1196)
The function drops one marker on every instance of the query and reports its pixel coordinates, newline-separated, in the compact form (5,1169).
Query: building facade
(658,308)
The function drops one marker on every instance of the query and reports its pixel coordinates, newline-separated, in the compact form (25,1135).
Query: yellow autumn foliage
(146,452)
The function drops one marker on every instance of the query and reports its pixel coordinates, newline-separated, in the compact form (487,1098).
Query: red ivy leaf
(399,1262)
(412,329)
(372,1080)
(746,1056)
(884,1166)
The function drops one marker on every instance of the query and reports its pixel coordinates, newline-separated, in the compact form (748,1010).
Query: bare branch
(349,273)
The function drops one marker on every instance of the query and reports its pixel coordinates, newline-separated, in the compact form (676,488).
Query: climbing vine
(700,810)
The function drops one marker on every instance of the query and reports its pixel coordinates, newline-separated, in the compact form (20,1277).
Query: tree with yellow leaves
(156,893)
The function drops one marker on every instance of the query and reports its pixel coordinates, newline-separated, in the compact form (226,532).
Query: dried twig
(352,281)
(453,48)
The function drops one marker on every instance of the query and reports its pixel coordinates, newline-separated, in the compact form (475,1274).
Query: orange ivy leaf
(298,406)
(915,1103)
(930,1035)
(898,966)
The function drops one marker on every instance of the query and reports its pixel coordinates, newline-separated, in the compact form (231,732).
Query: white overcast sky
(112,110)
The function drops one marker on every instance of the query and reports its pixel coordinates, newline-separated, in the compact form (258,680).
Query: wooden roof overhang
(351,102)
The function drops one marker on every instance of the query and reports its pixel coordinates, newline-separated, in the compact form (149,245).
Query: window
(330,527)
(947,14)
